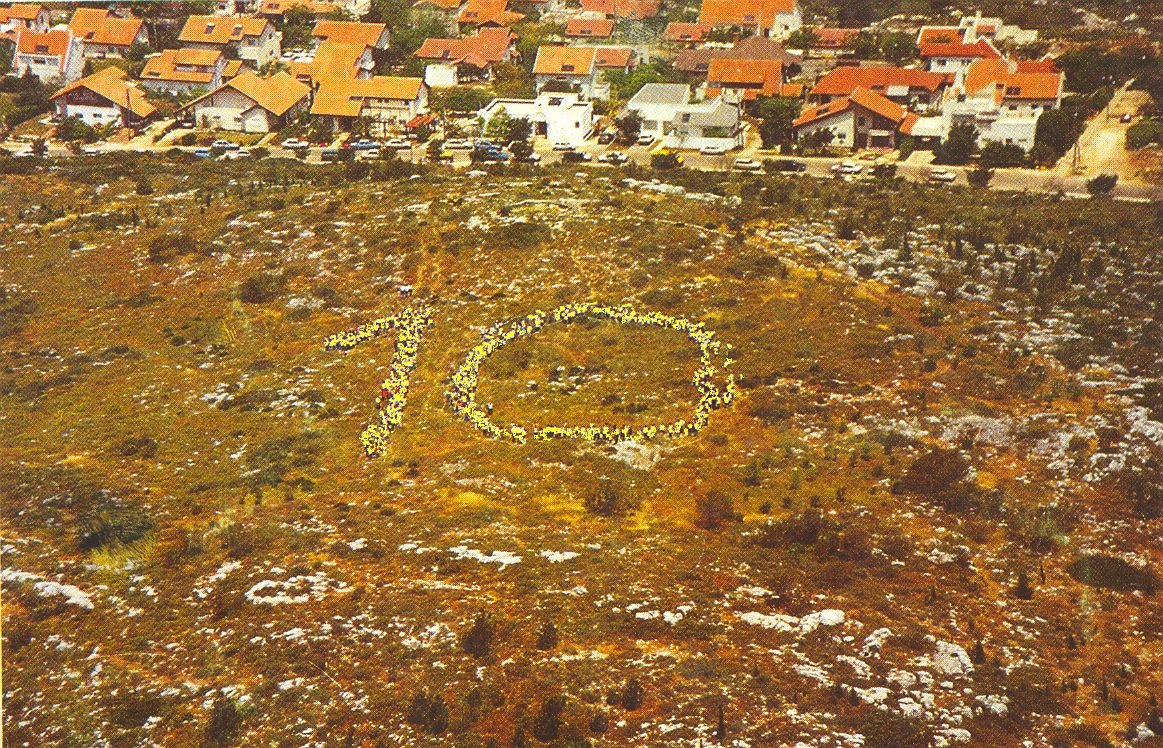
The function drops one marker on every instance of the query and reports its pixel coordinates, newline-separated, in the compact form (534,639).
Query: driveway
(1102,145)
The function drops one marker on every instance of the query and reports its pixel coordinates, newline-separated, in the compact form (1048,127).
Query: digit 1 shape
(393,395)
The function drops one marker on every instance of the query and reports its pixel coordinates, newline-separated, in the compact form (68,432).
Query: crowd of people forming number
(462,391)
(461,394)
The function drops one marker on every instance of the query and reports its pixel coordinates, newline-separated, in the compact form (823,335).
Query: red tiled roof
(981,48)
(221,29)
(940,35)
(596,28)
(842,81)
(484,12)
(110,84)
(865,99)
(489,45)
(678,31)
(613,57)
(753,77)
(638,9)
(20,11)
(743,12)
(1011,85)
(100,26)
(349,32)
(558,60)
(52,43)
(835,38)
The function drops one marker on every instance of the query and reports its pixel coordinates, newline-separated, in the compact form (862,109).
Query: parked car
(363,144)
(396,143)
(371,154)
(790,165)
(458,144)
(606,137)
(329,154)
(712,150)
(645,139)
(491,154)
(225,145)
(941,174)
(198,153)
(236,154)
(532,158)
(575,157)
(747,164)
(562,147)
(295,144)
(847,167)
(617,158)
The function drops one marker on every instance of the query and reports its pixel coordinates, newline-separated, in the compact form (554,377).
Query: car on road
(201,153)
(787,164)
(575,157)
(396,143)
(617,158)
(747,164)
(490,153)
(562,147)
(458,144)
(89,150)
(295,143)
(363,144)
(371,154)
(329,154)
(941,174)
(847,167)
(645,139)
(235,154)
(712,150)
(532,158)
(1127,117)
(606,137)
(225,145)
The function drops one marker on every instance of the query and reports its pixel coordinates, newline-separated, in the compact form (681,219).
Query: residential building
(1003,100)
(670,116)
(384,103)
(776,18)
(333,59)
(250,38)
(51,56)
(687,34)
(479,14)
(590,28)
(972,28)
(26,16)
(696,62)
(746,80)
(906,86)
(623,59)
(956,57)
(178,71)
(863,119)
(374,35)
(451,62)
(318,8)
(104,33)
(564,69)
(249,103)
(632,9)
(105,98)
(833,40)
(558,117)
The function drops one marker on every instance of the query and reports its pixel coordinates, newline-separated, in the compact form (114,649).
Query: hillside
(930,515)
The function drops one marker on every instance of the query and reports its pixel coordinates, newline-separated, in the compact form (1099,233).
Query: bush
(548,721)
(1144,133)
(940,475)
(632,695)
(1102,185)
(166,247)
(715,509)
(1112,573)
(885,729)
(608,499)
(997,155)
(664,161)
(479,639)
(224,723)
(260,289)
(429,712)
(113,526)
(980,177)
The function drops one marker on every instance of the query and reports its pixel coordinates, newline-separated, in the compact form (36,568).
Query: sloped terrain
(931,515)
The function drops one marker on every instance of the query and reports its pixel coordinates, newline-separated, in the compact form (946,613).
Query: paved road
(1102,145)
(1033,180)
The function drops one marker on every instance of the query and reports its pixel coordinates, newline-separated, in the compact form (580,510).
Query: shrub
(664,161)
(632,695)
(715,509)
(1112,573)
(165,247)
(259,289)
(995,155)
(479,639)
(143,187)
(1144,133)
(980,177)
(113,526)
(885,729)
(608,499)
(548,721)
(224,723)
(547,637)
(1102,185)
(429,712)
(940,474)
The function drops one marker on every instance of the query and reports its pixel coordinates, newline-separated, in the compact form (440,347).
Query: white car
(293,143)
(370,154)
(941,174)
(645,139)
(458,144)
(747,164)
(235,154)
(712,150)
(847,167)
(562,147)
(395,143)
(226,145)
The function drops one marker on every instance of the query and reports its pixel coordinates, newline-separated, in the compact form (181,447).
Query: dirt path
(1102,146)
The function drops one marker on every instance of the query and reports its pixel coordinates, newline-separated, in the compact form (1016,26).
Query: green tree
(999,155)
(980,177)
(959,146)
(1102,185)
(1055,133)
(1143,133)
(297,22)
(803,39)
(624,85)
(898,47)
(511,81)
(498,124)
(776,115)
(629,126)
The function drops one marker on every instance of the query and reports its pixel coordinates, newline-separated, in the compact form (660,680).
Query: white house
(184,70)
(567,69)
(863,119)
(248,38)
(558,117)
(248,103)
(25,16)
(775,18)
(54,55)
(384,102)
(1004,100)
(105,98)
(104,33)
(669,115)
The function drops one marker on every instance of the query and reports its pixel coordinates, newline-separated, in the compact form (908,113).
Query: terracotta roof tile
(99,26)
(110,83)
(595,28)
(842,81)
(350,32)
(743,12)
(678,31)
(557,60)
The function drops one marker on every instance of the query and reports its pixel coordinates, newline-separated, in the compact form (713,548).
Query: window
(567,68)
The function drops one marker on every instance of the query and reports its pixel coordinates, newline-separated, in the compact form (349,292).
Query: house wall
(583,84)
(261,50)
(570,123)
(956,65)
(842,125)
(48,69)
(440,75)
(224,110)
(95,115)
(697,137)
(656,118)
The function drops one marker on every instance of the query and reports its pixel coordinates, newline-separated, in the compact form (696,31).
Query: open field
(931,516)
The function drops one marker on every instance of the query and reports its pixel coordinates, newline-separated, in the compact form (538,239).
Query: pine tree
(632,695)
(547,638)
(1023,590)
(548,721)
(978,655)
(721,728)
(479,639)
